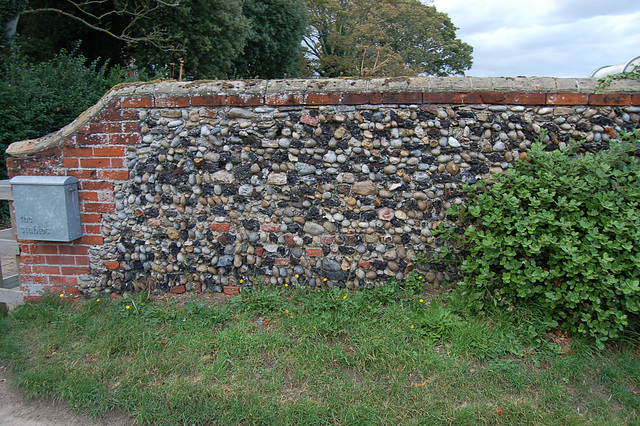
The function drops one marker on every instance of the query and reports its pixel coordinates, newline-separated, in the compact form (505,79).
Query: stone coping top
(346,91)
(378,85)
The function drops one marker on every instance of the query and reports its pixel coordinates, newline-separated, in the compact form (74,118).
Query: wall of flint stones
(209,186)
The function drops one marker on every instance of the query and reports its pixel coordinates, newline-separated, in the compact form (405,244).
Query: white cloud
(559,38)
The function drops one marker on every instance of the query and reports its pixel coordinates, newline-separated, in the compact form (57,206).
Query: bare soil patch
(17,410)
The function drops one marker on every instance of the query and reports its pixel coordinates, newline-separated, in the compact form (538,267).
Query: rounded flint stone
(453,142)
(225,261)
(385,214)
(240,113)
(313,228)
(336,276)
(365,188)
(330,265)
(245,190)
(305,169)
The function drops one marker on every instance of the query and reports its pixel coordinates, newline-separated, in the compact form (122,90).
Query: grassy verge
(279,356)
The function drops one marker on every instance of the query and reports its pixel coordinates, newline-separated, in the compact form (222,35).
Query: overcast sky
(550,38)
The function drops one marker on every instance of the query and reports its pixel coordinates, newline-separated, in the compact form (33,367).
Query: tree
(213,38)
(233,39)
(9,11)
(209,35)
(115,18)
(273,47)
(107,29)
(383,37)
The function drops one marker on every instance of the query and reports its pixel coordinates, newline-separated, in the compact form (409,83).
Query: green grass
(280,356)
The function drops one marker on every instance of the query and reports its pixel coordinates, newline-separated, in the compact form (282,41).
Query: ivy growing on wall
(605,82)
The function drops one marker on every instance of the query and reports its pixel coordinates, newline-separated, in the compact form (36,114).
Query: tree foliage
(246,38)
(9,11)
(41,36)
(383,37)
(117,19)
(208,35)
(273,47)
(240,39)
(213,38)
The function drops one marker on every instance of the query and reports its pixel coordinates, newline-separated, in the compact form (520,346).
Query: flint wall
(209,186)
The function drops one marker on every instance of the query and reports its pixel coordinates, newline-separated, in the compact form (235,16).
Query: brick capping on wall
(340,91)
(93,148)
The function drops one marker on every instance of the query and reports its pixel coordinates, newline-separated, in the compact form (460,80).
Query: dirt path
(15,410)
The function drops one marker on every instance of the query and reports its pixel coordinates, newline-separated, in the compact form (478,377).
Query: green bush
(561,231)
(37,99)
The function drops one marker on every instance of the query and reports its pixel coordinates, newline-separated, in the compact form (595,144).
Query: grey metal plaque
(46,207)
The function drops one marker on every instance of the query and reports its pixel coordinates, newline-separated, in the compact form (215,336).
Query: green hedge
(562,231)
(37,99)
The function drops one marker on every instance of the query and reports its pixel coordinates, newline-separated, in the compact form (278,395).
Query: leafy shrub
(562,231)
(37,99)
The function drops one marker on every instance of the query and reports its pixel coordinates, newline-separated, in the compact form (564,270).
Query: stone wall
(214,185)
